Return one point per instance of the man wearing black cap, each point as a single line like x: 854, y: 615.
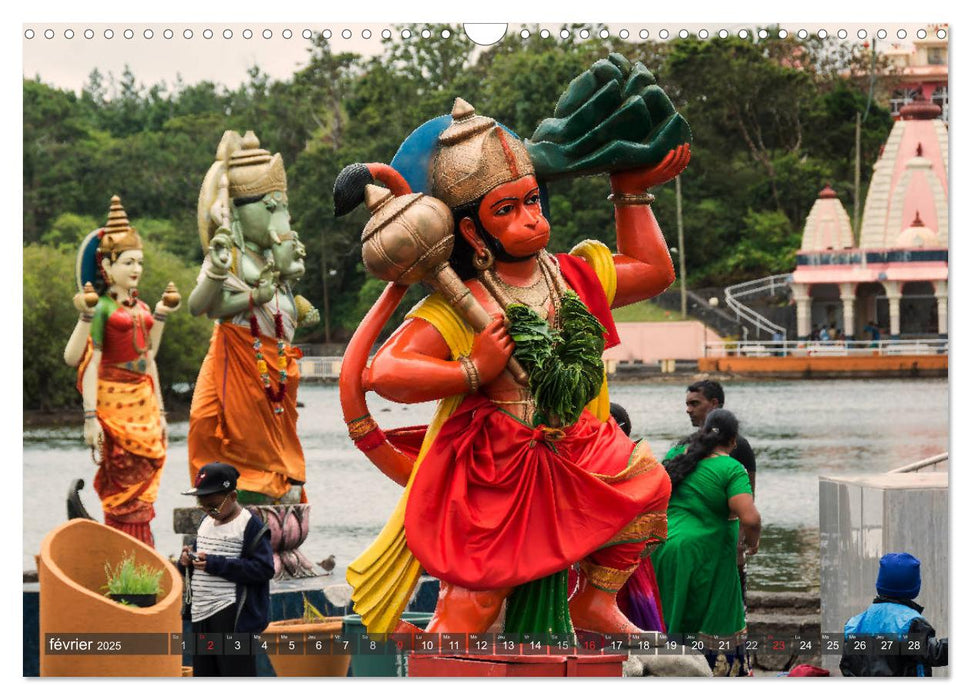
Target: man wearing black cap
x: 895, y: 614
x: 229, y: 571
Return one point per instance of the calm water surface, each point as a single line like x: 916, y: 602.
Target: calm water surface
x: 799, y: 430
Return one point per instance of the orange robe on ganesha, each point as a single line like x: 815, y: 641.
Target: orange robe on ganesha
x: 233, y: 421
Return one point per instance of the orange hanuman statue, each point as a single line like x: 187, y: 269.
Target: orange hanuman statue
x: 521, y: 473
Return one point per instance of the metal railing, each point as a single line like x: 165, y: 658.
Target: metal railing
x: 759, y: 287
x: 935, y: 463
x: 825, y: 348
x: 319, y: 368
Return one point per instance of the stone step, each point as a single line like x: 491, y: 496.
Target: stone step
x: 788, y: 628
x: 773, y: 600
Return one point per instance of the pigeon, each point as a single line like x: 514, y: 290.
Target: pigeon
x: 327, y: 565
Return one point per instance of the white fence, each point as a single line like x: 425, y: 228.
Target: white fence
x: 825, y: 348
x: 754, y: 288
x: 937, y: 463
x: 319, y: 368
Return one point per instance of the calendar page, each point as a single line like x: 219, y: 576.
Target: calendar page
x: 513, y: 349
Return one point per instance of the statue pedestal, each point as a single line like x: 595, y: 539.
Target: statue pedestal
x: 289, y: 526
x: 515, y: 665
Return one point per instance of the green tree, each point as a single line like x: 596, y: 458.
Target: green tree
x: 69, y: 230
x: 769, y: 244
x: 49, y: 318
x: 755, y: 90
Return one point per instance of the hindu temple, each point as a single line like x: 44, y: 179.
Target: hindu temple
x: 894, y: 275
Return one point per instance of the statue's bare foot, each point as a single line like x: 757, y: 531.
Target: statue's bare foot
x: 595, y: 610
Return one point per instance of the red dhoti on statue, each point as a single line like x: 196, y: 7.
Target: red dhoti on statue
x: 498, y: 503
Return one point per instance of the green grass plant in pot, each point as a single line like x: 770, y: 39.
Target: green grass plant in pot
x: 131, y: 583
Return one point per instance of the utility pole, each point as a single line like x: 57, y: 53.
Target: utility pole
x: 325, y: 273
x: 856, y: 182
x: 684, y: 289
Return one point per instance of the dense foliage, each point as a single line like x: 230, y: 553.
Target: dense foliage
x: 773, y: 122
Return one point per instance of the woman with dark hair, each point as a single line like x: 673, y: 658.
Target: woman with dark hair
x: 696, y: 571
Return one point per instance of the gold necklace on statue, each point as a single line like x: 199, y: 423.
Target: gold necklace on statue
x: 536, y: 296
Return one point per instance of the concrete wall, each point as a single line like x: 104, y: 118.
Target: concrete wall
x: 805, y: 367
x: 650, y: 342
x: 863, y: 518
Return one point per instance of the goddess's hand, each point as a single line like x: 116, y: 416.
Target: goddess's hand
x: 162, y: 310
x: 92, y: 431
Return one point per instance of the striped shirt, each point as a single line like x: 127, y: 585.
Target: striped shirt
x: 211, y: 593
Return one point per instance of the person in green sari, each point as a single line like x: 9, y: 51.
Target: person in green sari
x: 697, y: 575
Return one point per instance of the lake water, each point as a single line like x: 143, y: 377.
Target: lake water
x: 799, y: 431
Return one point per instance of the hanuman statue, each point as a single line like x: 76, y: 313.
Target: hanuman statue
x: 522, y: 473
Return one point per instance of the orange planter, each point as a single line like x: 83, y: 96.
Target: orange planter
x: 71, y: 570
x: 305, y: 663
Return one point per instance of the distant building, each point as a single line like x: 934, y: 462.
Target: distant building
x: 921, y: 72
x: 895, y: 276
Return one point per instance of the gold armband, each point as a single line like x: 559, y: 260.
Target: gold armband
x: 471, y: 373
x: 631, y: 200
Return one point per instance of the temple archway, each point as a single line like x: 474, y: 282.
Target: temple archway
x: 871, y: 307
x: 918, y: 310
x: 827, y: 309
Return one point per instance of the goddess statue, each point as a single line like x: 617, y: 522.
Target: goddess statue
x: 244, y: 408
x: 114, y: 345
x: 521, y: 473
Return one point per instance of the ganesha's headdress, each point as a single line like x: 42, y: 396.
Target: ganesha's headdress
x: 242, y: 170
x: 253, y: 171
x: 474, y: 155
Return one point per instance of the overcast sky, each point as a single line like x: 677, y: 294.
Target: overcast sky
x: 63, y: 53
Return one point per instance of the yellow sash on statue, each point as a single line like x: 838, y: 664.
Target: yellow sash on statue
x: 385, y: 575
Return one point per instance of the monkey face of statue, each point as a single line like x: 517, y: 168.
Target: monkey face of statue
x: 511, y: 213
x: 263, y: 221
x: 288, y: 256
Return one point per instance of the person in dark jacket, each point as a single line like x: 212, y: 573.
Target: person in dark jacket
x: 895, y: 614
x: 229, y: 571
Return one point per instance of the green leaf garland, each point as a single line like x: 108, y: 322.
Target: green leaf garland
x: 565, y: 365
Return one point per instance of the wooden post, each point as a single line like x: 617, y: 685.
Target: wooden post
x: 681, y: 268
x: 856, y: 184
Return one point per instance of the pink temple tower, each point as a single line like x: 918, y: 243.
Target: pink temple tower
x: 895, y: 276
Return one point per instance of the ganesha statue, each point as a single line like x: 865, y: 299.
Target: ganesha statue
x: 244, y: 408
x: 522, y: 475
